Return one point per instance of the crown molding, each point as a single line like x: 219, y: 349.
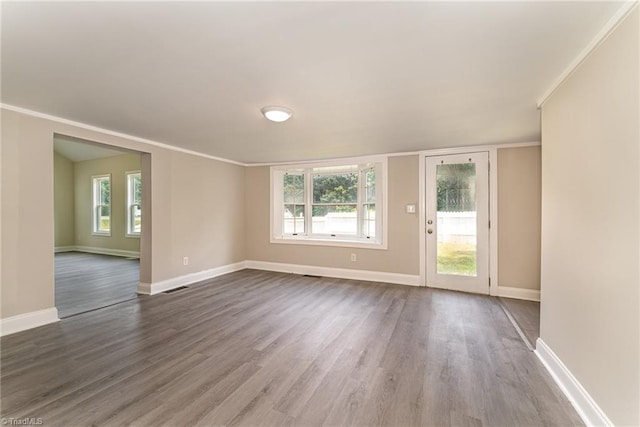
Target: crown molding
x: 430, y: 152
x: 221, y: 159
x: 600, y: 37
x: 116, y: 134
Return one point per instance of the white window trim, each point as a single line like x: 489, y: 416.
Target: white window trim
x: 275, y: 223
x: 127, y: 207
x: 94, y: 206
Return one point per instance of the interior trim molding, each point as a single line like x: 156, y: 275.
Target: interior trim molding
x: 22, y: 322
x: 116, y: 134
x: 518, y: 293
x: 59, y: 249
x: 188, y: 279
x: 104, y: 251
x: 584, y: 404
x: 234, y: 162
x: 476, y: 148
x: 599, y: 38
x: 339, y: 273
x: 434, y: 152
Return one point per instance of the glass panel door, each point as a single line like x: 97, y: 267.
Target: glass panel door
x: 456, y: 217
x: 457, y: 222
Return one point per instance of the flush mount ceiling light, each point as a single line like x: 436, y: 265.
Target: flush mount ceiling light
x: 277, y: 114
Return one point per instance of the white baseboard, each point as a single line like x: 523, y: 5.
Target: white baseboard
x: 59, y: 249
x: 584, y: 404
x: 518, y: 293
x: 340, y: 273
x: 187, y: 279
x: 22, y: 322
x: 106, y: 251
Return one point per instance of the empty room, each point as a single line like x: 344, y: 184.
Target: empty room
x: 320, y: 213
x: 97, y: 223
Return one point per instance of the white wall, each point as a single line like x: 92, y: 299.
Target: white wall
x: 591, y: 224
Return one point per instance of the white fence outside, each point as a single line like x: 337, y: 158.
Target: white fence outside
x: 333, y: 222
x: 457, y: 227
x: 453, y: 227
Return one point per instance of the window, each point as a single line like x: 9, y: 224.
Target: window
x: 333, y: 205
x: 134, y: 201
x: 293, y: 193
x: 101, y: 205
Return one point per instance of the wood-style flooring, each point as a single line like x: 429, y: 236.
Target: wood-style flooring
x: 86, y: 281
x: 526, y: 314
x: 263, y: 348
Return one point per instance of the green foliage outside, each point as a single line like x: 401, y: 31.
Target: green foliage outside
x: 456, y: 187
x: 457, y: 258
x: 105, y: 192
x: 137, y: 189
x: 104, y: 224
x: 293, y: 187
x: 335, y: 189
x: 370, y: 186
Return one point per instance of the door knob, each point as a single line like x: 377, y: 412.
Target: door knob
x: 429, y: 231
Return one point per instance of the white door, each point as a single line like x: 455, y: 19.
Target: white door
x: 457, y: 222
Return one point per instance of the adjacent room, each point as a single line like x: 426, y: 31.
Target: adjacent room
x: 320, y: 213
x: 98, y: 223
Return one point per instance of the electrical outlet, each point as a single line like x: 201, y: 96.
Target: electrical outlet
x: 185, y: 260
x: 354, y: 258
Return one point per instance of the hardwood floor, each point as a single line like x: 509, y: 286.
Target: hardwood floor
x: 262, y: 348
x: 527, y: 316
x: 88, y: 281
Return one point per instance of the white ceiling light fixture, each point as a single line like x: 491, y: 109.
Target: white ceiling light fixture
x: 277, y: 114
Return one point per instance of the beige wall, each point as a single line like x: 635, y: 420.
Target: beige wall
x: 63, y: 183
x: 27, y: 233
x: 519, y: 213
x: 116, y: 166
x: 403, y: 245
x: 590, y: 224
x: 177, y: 211
x: 207, y: 212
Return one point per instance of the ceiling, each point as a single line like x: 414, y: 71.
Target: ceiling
x: 77, y: 151
x: 361, y: 77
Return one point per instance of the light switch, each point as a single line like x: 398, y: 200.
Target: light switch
x: 411, y: 209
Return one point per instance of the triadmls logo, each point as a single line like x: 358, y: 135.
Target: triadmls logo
x: 27, y: 421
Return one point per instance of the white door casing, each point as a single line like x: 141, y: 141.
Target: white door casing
x: 461, y: 229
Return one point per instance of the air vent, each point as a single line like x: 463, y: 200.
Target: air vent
x: 170, y: 291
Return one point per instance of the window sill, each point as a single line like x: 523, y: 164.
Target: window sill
x: 329, y: 242
x: 132, y: 236
x: 101, y: 234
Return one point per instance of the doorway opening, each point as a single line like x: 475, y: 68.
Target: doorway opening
x: 98, y: 223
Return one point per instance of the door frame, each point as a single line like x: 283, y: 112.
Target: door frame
x: 478, y: 283
x: 146, y: 165
x: 493, y: 204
